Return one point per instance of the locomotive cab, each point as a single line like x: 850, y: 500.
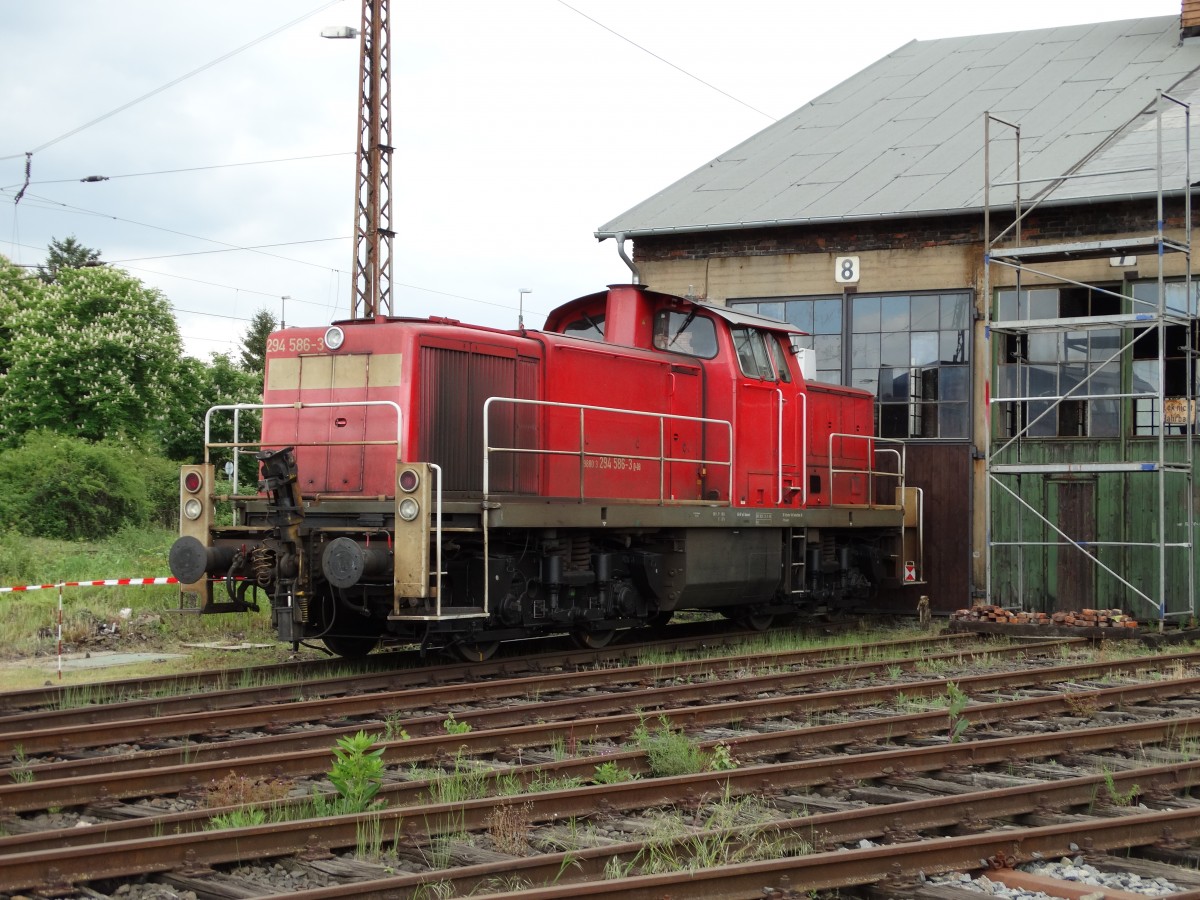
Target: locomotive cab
x: 421, y: 480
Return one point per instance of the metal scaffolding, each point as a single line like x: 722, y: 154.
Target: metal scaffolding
x: 1019, y: 465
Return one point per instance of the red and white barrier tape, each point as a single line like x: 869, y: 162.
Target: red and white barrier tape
x: 101, y: 582
x: 104, y: 582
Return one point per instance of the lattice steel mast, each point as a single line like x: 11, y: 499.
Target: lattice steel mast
x: 373, y: 196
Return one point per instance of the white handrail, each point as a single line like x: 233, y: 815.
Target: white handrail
x: 779, y: 449
x: 802, y: 419
x: 582, y: 453
x: 871, y: 471
x: 237, y: 444
x: 437, y: 535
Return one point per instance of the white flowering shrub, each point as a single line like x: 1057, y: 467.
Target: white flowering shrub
x: 95, y: 355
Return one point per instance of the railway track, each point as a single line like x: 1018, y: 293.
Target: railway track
x: 401, y: 667
x: 856, y: 760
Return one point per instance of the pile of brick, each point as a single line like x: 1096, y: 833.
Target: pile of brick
x: 1087, y: 618
x: 1001, y: 616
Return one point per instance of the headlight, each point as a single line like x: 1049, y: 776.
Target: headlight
x: 409, y: 509
x: 334, y: 337
x: 409, y: 480
x: 193, y: 481
x: 192, y: 508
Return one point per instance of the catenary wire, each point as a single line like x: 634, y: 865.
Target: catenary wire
x: 421, y: 288
x: 667, y: 62
x: 228, y: 287
x: 211, y: 315
x: 91, y: 212
x: 226, y: 250
x: 196, y: 337
x: 172, y: 83
x: 257, y: 162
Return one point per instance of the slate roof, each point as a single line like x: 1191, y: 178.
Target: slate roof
x: 904, y: 137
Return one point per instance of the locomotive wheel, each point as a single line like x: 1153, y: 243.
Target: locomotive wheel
x: 476, y: 652
x: 351, y: 636
x: 756, y: 622
x: 350, y: 646
x: 592, y: 640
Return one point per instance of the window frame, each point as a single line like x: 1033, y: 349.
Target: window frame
x: 1067, y: 355
x: 690, y: 318
x: 941, y: 418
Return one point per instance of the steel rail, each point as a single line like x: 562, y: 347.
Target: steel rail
x: 400, y: 664
x: 449, y: 684
x: 100, y: 775
x: 591, y: 709
x: 420, y: 823
x: 886, y: 821
x: 64, y: 738
x: 848, y: 868
x: 288, y: 742
x: 142, y: 781
x: 407, y: 793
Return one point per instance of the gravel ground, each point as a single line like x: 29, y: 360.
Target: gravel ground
x: 1075, y: 870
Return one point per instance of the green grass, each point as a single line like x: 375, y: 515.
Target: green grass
x: 842, y: 647
x: 464, y: 782
x: 669, y: 752
x: 42, y: 561
x: 544, y: 783
x: 29, y: 620
x: 731, y: 832
x: 1119, y: 798
x: 610, y: 773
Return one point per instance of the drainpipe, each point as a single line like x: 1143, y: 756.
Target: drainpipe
x: 637, y: 278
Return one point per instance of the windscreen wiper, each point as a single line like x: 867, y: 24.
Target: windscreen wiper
x: 682, y: 328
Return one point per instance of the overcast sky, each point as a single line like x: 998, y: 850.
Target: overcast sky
x: 520, y: 127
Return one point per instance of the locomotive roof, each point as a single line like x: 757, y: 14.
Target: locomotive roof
x: 737, y: 317
x: 561, y: 315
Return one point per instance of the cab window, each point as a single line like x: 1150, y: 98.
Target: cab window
x: 752, y: 353
x: 779, y: 351
x: 589, y: 327
x: 687, y: 333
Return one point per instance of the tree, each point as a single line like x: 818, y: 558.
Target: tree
x: 17, y: 292
x: 200, y: 387
x: 95, y: 355
x: 254, y: 344
x: 67, y: 254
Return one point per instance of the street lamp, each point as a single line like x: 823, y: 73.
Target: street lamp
x: 339, y: 31
x: 283, y: 310
x: 521, y: 292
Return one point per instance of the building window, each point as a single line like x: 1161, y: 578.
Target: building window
x: 1078, y: 366
x: 1147, y: 416
x: 1075, y: 370
x: 910, y: 350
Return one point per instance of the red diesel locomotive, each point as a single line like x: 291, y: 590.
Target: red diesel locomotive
x: 422, y: 480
